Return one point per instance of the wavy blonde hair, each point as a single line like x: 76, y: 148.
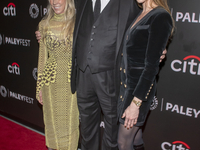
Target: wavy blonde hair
x: 69, y: 18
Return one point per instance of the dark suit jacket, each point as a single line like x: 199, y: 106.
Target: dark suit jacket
x: 128, y: 10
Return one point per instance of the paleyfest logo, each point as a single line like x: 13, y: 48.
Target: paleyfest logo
x: 7, y: 93
x: 189, y: 64
x: 179, y: 109
x: 186, y: 111
x: 187, y: 17
x: 14, y: 41
x: 3, y: 91
x: 34, y: 72
x: 10, y: 10
x: 176, y: 145
x: 17, y: 41
x: 154, y: 103
x: 34, y: 11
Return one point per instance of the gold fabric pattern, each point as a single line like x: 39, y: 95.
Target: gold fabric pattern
x: 49, y: 74
x: 61, y: 116
x: 52, y: 41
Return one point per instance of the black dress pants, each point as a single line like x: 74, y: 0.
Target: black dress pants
x: 96, y: 93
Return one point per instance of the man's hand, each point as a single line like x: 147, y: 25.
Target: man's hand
x: 38, y: 36
x: 163, y: 55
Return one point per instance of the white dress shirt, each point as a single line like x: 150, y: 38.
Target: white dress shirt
x: 103, y: 4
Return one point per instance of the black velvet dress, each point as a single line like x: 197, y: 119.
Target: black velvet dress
x: 143, y: 46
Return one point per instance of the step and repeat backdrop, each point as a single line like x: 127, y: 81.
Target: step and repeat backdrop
x: 18, y: 59
x: 174, y: 119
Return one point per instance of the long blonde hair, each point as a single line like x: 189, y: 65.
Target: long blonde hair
x: 69, y: 18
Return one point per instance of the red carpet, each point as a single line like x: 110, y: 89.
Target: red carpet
x: 16, y: 137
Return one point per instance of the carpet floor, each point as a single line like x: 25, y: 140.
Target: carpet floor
x: 17, y: 137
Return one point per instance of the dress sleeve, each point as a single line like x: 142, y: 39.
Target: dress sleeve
x: 159, y: 32
x: 42, y: 58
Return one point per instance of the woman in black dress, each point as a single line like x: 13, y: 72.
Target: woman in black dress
x: 144, y: 42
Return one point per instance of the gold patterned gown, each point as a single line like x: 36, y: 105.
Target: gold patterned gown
x: 59, y: 105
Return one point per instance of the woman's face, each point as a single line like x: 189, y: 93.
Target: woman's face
x: 58, y: 6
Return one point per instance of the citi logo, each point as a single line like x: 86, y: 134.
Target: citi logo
x: 14, y: 68
x: 188, y: 64
x: 176, y: 145
x: 10, y: 10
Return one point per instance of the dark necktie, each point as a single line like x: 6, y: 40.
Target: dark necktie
x: 97, y: 9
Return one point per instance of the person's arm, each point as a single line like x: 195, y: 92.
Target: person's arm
x: 38, y: 36
x: 160, y: 30
x: 41, y: 64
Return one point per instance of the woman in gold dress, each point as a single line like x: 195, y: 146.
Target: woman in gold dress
x: 61, y: 117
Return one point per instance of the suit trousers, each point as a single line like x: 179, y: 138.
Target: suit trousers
x: 96, y: 94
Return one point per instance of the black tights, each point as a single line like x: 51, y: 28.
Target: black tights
x: 127, y: 138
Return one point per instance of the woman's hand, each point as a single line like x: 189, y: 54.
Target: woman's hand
x: 38, y: 36
x: 40, y: 98
x: 131, y: 114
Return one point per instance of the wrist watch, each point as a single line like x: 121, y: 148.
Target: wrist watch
x: 137, y: 103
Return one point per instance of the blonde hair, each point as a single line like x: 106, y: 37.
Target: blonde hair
x: 69, y: 18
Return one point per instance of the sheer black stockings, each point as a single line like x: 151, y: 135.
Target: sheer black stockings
x: 129, y: 138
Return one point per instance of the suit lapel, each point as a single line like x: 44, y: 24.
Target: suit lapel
x: 124, y: 9
x: 79, y: 12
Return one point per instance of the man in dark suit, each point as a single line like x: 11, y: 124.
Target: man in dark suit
x: 95, y: 67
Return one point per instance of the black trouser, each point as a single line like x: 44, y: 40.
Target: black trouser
x: 96, y: 92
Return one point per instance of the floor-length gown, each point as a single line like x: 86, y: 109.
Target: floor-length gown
x: 54, y: 69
